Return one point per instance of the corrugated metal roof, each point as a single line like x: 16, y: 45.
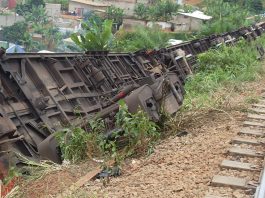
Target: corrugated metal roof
x: 93, y: 3
x: 197, y: 14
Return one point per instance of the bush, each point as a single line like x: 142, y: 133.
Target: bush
x: 139, y: 132
x: 73, y: 144
x: 141, y: 38
x: 222, y: 68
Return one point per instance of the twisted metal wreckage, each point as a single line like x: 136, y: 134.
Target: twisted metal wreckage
x: 41, y: 93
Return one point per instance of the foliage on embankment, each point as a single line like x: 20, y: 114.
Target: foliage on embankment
x: 222, y: 70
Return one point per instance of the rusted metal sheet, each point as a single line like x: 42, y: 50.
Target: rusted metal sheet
x: 42, y: 93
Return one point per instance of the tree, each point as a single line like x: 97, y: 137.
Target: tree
x: 115, y: 14
x: 37, y: 16
x: 226, y: 17
x: 36, y: 21
x: 141, y: 11
x: 257, y: 6
x: 29, y: 44
x: 97, y: 37
x: 14, y: 33
x: 23, y: 8
x: 164, y: 10
x: 254, y: 6
x: 160, y: 10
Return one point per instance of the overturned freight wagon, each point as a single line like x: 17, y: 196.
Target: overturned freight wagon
x: 42, y: 93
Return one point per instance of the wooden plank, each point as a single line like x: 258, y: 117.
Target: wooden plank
x: 245, y: 152
x: 213, y: 196
x: 261, y: 100
x: 259, y: 105
x: 229, y: 164
x: 257, y: 110
x: 240, y: 140
x: 256, y: 116
x: 83, y: 180
x: 233, y: 182
x: 249, y: 123
x: 250, y: 131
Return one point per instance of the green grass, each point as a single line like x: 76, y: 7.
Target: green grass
x: 222, y: 72
x: 140, y: 38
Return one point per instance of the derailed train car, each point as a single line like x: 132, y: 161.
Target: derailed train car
x: 42, y: 93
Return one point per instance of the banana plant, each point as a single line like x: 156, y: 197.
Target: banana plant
x: 98, y: 37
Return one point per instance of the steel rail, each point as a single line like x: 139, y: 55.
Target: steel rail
x: 260, y: 191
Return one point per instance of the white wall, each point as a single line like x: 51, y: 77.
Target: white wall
x: 8, y: 20
x: 127, y: 6
x: 186, y: 23
x: 53, y: 9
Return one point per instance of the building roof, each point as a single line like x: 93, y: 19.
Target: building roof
x: 197, y: 14
x: 15, y: 49
x: 92, y: 3
x: 192, y: 2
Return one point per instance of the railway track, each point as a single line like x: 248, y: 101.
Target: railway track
x: 242, y: 172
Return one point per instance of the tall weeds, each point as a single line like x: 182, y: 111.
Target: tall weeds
x: 222, y: 70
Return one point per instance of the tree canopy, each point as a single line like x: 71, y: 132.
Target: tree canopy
x: 36, y: 22
x: 14, y: 33
x: 254, y: 6
x: 28, y: 5
x: 96, y: 36
x: 160, y: 10
x: 227, y: 16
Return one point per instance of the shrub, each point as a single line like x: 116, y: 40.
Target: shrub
x: 140, y: 132
x: 73, y: 143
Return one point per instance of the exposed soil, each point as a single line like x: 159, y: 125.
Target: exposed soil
x: 179, y: 167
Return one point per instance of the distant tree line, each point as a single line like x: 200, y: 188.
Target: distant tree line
x: 36, y: 22
x: 229, y: 14
x: 254, y: 6
x: 158, y: 10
